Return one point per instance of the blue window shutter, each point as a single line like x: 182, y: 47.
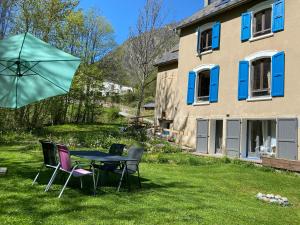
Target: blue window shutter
x: 278, y: 16
x: 246, y: 27
x: 214, y: 84
x: 199, y: 41
x: 191, y: 88
x: 216, y: 35
x: 243, y: 80
x: 278, y: 75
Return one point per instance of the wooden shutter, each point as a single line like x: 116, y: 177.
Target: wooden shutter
x: 233, y: 131
x: 202, y: 136
x: 278, y: 74
x: 278, y: 16
x: 214, y: 84
x: 216, y: 35
x: 287, y: 138
x: 243, y: 80
x: 246, y: 26
x: 191, y: 88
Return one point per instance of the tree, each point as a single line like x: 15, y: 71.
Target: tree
x: 145, y: 46
x: 7, y: 10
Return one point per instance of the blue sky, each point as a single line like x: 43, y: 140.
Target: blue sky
x: 122, y: 14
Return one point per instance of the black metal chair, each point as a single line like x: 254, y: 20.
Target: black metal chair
x: 131, y: 167
x: 50, y: 160
x: 115, y: 149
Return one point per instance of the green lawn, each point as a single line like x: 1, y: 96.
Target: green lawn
x: 177, y: 189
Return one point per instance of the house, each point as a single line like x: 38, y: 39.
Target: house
x: 110, y: 88
x: 149, y: 106
x: 232, y: 85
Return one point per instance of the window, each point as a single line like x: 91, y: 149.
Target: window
x: 203, y: 86
x: 261, y: 77
x: 262, y: 22
x: 206, y: 40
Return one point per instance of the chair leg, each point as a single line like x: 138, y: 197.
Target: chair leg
x: 52, y: 178
x: 38, y: 174
x: 65, y: 185
x: 97, y: 179
x: 94, y: 181
x: 127, y: 179
x: 81, y: 184
x: 139, y: 178
x: 121, y: 179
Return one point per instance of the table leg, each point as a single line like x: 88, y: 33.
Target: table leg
x: 121, y: 179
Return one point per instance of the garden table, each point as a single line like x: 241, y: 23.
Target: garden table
x: 102, y: 157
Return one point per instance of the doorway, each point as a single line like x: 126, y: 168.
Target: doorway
x: 218, y: 136
x: 261, y: 137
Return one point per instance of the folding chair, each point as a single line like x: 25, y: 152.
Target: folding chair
x: 50, y: 160
x: 75, y: 171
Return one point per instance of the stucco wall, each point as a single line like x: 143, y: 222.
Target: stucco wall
x: 231, y: 51
x: 165, y: 91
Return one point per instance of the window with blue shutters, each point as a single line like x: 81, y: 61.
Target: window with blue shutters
x: 262, y: 20
x: 208, y: 37
x: 203, y: 86
x: 262, y: 76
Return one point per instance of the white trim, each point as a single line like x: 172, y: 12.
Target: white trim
x: 261, y: 37
x: 261, y: 54
x: 198, y: 70
x: 201, y: 103
x: 259, y: 7
x: 257, y: 99
x: 204, y: 67
x: 206, y: 52
x: 200, y: 30
x: 254, y: 57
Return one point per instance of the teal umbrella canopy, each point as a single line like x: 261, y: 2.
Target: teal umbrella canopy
x: 32, y: 70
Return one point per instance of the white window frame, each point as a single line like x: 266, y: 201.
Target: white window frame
x: 257, y: 8
x: 199, y: 32
x: 198, y: 70
x: 251, y: 59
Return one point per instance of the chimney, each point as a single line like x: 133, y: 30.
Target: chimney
x: 206, y: 2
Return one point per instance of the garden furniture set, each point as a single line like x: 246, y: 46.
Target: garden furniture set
x: 58, y: 158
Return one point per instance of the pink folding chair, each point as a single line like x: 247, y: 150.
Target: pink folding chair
x: 75, y: 171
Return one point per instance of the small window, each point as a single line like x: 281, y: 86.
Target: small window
x: 203, y: 86
x: 261, y: 77
x: 206, y: 40
x: 262, y: 22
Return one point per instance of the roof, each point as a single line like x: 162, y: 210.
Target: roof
x: 149, y: 105
x: 169, y: 57
x: 217, y: 7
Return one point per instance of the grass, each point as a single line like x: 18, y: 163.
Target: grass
x: 178, y: 188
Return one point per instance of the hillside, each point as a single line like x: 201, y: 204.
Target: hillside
x: 116, y: 65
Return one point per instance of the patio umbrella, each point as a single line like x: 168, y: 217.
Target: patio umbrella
x: 32, y: 70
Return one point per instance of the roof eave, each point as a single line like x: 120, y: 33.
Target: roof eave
x: 166, y: 63
x: 211, y: 15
